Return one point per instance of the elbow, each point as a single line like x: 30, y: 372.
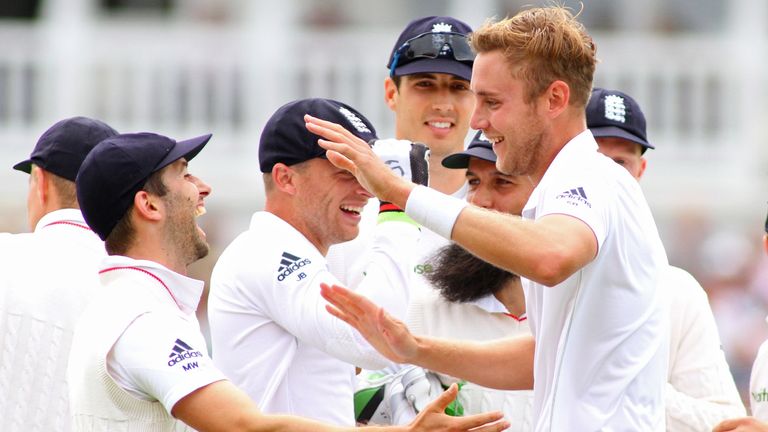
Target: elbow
x: 553, y: 268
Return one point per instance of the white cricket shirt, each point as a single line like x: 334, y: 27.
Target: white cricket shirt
x: 601, y: 335
x: 137, y: 349
x: 484, y: 319
x: 46, y: 279
x: 758, y: 384
x: 270, y: 332
x: 700, y: 391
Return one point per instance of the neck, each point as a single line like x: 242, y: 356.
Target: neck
x: 443, y: 179
x: 512, y: 297
x: 152, y: 248
x: 288, y: 215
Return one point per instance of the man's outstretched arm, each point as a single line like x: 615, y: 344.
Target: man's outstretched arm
x: 504, y: 364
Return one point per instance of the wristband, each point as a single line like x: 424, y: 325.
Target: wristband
x: 434, y: 210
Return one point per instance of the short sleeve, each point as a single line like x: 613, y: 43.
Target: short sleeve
x: 583, y: 198
x: 162, y: 358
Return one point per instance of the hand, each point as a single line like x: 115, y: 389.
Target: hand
x: 407, y: 159
x: 743, y: 424
x: 386, y: 334
x: 351, y: 153
x: 433, y: 417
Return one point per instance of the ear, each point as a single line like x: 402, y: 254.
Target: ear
x: 643, y: 165
x: 148, y: 206
x: 390, y: 93
x: 765, y: 243
x: 558, y: 95
x: 40, y: 181
x: 284, y: 178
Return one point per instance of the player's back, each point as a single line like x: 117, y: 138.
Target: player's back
x: 46, y: 280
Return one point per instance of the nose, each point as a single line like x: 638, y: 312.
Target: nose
x: 478, y: 121
x: 481, y: 197
x: 203, y: 188
x: 363, y: 191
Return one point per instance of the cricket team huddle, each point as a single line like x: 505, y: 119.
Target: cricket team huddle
x: 411, y: 283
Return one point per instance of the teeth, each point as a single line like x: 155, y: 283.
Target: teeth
x: 495, y: 140
x: 351, y: 209
x: 199, y: 211
x: 440, y: 125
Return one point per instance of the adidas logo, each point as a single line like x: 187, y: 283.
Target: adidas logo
x: 577, y: 195
x: 180, y: 352
x: 289, y: 264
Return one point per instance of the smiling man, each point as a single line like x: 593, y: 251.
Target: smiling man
x: 586, y: 247
x: 427, y: 89
x: 269, y: 330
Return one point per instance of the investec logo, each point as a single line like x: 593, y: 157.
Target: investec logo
x: 577, y: 195
x: 289, y: 264
x: 180, y: 352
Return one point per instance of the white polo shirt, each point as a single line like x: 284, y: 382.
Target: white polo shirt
x: 270, y: 332
x: 46, y: 279
x: 758, y: 384
x: 138, y: 349
x: 602, y: 334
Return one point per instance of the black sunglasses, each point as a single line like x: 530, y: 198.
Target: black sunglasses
x: 432, y: 45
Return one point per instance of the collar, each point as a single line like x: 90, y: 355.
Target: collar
x: 63, y: 217
x: 572, y: 152
x: 185, y: 292
x: 489, y: 303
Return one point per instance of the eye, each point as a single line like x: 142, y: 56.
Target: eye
x: 473, y: 182
x: 459, y: 86
x: 424, y: 83
x: 620, y: 161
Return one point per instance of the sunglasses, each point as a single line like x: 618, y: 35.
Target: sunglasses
x: 432, y: 45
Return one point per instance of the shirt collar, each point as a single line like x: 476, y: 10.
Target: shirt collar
x: 185, y: 291
x: 67, y: 216
x: 568, y: 156
x: 490, y: 303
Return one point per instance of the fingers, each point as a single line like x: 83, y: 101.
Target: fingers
x: 441, y: 402
x: 492, y: 427
x: 339, y: 160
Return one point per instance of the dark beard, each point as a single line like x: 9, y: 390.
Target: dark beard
x: 462, y: 277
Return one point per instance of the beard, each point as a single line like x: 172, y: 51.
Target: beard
x: 461, y: 277
x: 183, y: 232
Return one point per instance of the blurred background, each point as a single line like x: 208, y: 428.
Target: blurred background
x: 699, y: 69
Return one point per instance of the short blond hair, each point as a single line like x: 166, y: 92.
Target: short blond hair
x: 543, y: 45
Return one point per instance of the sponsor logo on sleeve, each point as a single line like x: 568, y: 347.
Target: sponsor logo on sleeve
x: 289, y: 264
x: 760, y: 396
x: 575, y: 197
x: 180, y: 352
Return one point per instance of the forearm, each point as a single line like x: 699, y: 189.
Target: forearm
x: 546, y: 251
x: 505, y: 364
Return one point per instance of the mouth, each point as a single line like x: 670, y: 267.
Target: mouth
x: 200, y: 210
x: 494, y: 140
x: 440, y: 125
x: 353, y: 210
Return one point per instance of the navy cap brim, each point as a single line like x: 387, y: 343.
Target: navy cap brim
x: 186, y: 149
x: 437, y: 65
x: 461, y: 160
x: 24, y: 166
x: 617, y: 132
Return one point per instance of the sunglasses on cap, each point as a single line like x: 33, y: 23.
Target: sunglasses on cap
x: 432, y: 45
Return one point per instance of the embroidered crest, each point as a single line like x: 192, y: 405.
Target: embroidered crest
x: 615, y: 109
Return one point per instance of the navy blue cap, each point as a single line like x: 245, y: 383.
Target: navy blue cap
x: 62, y: 148
x: 614, y: 114
x: 118, y: 167
x: 285, y: 138
x: 480, y: 148
x: 445, y: 62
